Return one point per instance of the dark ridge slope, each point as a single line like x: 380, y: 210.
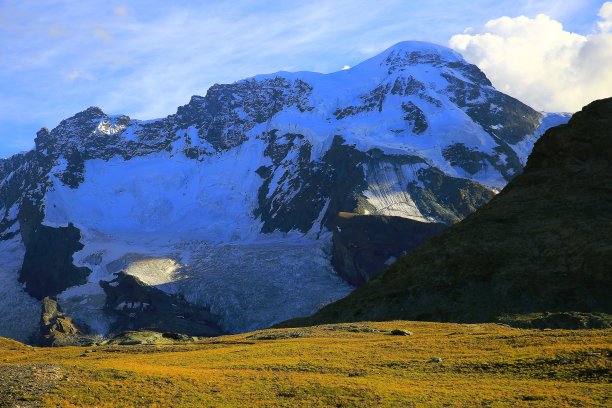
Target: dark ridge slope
x: 363, y: 245
x: 543, y: 244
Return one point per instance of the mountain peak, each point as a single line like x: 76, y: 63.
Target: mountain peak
x: 423, y: 47
x: 411, y: 53
x: 93, y: 110
x: 87, y: 116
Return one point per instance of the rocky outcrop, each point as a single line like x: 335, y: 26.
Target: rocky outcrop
x: 542, y: 245
x: 138, y: 306
x: 559, y: 320
x: 57, y: 329
x: 142, y: 337
x: 446, y: 199
x: 363, y: 245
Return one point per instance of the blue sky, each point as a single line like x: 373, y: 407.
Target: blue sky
x: 145, y: 58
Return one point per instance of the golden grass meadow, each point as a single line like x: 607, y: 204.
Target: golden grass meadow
x: 342, y: 365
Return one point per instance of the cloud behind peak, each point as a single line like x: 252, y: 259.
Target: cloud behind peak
x: 539, y: 62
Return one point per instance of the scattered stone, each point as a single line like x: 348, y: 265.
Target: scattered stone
x: 24, y: 385
x: 276, y: 336
x: 400, y: 332
x: 352, y: 329
x: 177, y: 336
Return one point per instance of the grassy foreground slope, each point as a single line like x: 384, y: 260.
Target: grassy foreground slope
x: 335, y: 365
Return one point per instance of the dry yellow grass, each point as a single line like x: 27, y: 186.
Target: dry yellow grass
x: 338, y: 365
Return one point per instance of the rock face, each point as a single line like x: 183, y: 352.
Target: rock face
x: 47, y: 264
x: 542, y: 245
x: 258, y: 169
x: 363, y: 245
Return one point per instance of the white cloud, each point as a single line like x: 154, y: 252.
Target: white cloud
x: 606, y: 15
x: 540, y: 63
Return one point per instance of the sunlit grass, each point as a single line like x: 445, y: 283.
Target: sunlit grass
x: 481, y: 365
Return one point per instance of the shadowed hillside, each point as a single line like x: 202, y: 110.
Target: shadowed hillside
x: 544, y: 244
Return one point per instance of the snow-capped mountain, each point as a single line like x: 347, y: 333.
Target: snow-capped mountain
x: 225, y: 207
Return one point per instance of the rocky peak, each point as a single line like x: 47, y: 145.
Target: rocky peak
x: 228, y: 111
x: 71, y: 132
x: 75, y: 124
